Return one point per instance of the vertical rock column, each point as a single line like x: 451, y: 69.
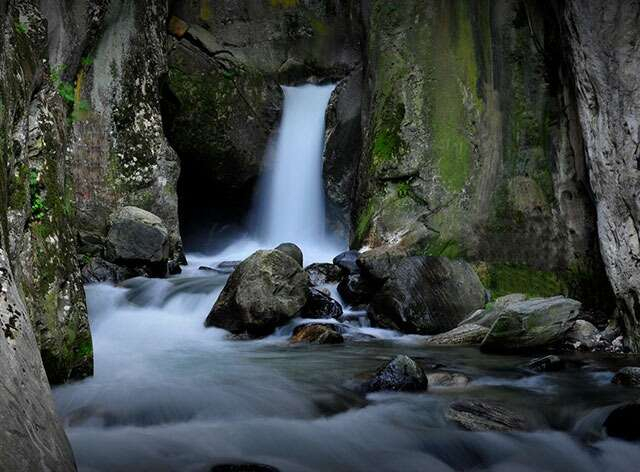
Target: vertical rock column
x: 604, y: 41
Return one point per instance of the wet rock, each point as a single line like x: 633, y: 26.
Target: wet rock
x: 627, y: 376
x: 447, y: 379
x: 583, y: 335
x: 316, y: 334
x: 347, y: 261
x: 379, y: 263
x: 401, y: 374
x: 488, y: 315
x: 532, y: 324
x: 468, y: 334
x: 623, y: 422
x: 265, y: 291
x: 546, y: 364
x: 475, y: 415
x: 291, y: 250
x: 173, y: 268
x: 426, y: 295
x: 323, y: 273
x: 320, y: 305
x: 355, y: 289
x: 138, y: 236
x: 98, y: 270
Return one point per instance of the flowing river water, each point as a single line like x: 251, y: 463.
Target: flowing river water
x: 169, y: 394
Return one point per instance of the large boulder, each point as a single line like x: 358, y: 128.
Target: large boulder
x: 401, y: 374
x: 426, y: 295
x: 265, y: 291
x: 138, y: 236
x: 532, y: 324
x: 316, y: 334
x: 347, y: 261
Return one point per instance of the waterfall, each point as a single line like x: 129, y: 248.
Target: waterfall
x: 290, y: 205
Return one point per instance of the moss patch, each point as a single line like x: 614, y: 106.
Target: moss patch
x: 503, y: 279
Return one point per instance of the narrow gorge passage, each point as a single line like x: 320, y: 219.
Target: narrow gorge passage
x: 169, y: 394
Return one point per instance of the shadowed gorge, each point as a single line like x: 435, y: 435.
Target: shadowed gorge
x: 313, y: 235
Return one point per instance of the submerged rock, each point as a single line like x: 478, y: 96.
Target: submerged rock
x: 323, y: 273
x: 347, y: 261
x: 291, y: 250
x: 468, y: 334
x: 627, y: 376
x: 355, y: 290
x: 532, y: 324
x: 623, y: 422
x: 475, y: 415
x: 546, y: 364
x: 401, y: 374
x: 320, y: 305
x: 317, y: 334
x: 138, y: 237
x: 265, y: 291
x: 426, y: 295
x: 447, y: 379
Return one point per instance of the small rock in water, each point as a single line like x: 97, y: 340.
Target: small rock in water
x: 401, y: 374
x: 475, y: 415
x: 323, y: 273
x: 316, y: 334
x: 447, y: 379
x: 228, y: 264
x: 624, y: 422
x: 320, y: 305
x: 583, y: 335
x: 347, y: 261
x: 355, y: 290
x: 243, y: 468
x: 546, y: 364
x: 627, y: 376
x: 291, y: 250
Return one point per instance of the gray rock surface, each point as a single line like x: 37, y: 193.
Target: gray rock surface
x: 266, y: 290
x: 32, y: 435
x: 291, y: 250
x: 602, y: 40
x: 401, y: 374
x: 532, y: 324
x: 426, y: 295
x: 138, y: 235
x: 583, y: 335
x: 465, y: 335
x: 447, y: 380
x: 323, y: 273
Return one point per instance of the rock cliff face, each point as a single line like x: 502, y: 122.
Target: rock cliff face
x: 472, y: 146
x: 604, y: 40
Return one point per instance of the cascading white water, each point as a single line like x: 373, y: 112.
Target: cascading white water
x: 291, y: 200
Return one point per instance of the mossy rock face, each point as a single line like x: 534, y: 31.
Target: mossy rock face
x: 467, y: 133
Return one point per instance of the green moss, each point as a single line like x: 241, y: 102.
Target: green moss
x: 503, y: 279
x: 364, y: 222
x: 387, y: 141
x: 444, y: 247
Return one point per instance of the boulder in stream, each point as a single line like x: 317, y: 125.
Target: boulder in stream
x: 627, y: 376
x: 426, y: 295
x: 291, y: 250
x: 583, y: 335
x: 137, y: 235
x: 265, y: 291
x: 355, y: 289
x: 401, y: 374
x: 320, y: 305
x: 476, y: 415
x: 531, y: 324
x: 347, y: 261
x: 316, y: 334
